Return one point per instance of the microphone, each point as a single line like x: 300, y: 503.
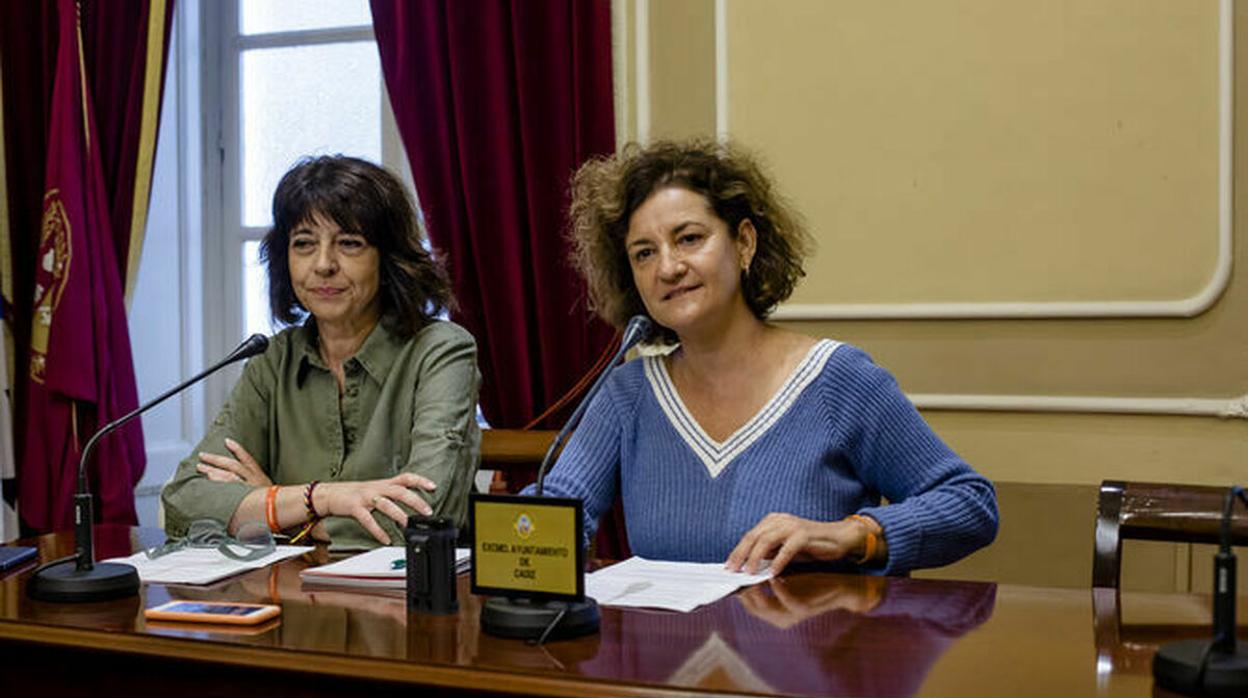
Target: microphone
x: 1217, y: 668
x: 532, y: 616
x: 637, y: 329
x: 87, y: 581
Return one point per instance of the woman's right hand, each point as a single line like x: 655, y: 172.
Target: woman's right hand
x: 241, y: 468
x: 359, y: 499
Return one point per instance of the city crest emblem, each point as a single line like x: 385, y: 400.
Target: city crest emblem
x: 55, y: 253
x: 524, y: 526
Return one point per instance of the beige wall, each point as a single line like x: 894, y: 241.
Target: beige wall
x: 1011, y: 198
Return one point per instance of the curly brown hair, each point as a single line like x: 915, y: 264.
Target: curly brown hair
x: 607, y: 190
x: 367, y: 199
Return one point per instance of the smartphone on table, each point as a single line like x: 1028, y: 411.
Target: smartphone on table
x: 227, y: 612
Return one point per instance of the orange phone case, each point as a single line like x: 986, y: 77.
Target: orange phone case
x: 173, y: 626
x: 226, y: 612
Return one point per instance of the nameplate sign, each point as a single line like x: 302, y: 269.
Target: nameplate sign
x: 527, y: 547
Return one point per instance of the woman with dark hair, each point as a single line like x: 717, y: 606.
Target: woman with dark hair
x: 744, y: 442
x: 363, y: 411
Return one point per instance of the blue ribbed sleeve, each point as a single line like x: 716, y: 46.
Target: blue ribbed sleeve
x: 940, y: 509
x: 588, y: 467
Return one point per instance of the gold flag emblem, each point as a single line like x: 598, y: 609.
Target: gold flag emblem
x: 55, y: 252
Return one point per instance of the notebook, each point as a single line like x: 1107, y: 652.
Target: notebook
x: 12, y: 557
x: 380, y: 568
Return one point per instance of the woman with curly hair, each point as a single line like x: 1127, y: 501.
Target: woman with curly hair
x: 363, y: 411
x: 746, y: 442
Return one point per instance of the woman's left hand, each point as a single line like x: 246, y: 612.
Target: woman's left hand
x: 241, y: 468
x: 785, y: 537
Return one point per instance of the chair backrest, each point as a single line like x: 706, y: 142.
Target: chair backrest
x: 518, y: 454
x: 502, y: 448
x: 1156, y: 511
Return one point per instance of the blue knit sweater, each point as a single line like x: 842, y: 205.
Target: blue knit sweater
x: 836, y: 437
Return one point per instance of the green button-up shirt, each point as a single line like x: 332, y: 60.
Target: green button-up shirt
x: 406, y: 405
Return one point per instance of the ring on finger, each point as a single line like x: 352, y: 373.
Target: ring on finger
x: 377, y: 500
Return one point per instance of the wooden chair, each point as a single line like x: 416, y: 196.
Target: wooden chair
x: 1156, y: 511
x: 1148, y: 511
x: 517, y: 453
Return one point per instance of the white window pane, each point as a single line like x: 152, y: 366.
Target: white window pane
x: 305, y: 100
x: 255, y: 292
x: 263, y: 16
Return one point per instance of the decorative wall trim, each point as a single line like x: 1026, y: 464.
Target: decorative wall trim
x: 620, y: 80
x: 191, y: 215
x: 641, y: 69
x: 721, y: 70
x: 1184, y: 307
x: 1225, y: 408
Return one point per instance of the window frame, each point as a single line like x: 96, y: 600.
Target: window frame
x: 225, y: 234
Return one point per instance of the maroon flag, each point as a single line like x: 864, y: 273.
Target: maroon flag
x: 81, y: 373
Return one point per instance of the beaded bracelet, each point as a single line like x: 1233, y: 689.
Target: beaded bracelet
x: 270, y: 509
x: 873, y: 541
x: 308, y: 503
x: 313, y: 516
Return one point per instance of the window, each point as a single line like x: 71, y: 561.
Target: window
x: 299, y: 77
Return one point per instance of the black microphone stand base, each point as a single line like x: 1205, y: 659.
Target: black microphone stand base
x: 529, y: 620
x: 1176, y: 667
x: 65, y: 582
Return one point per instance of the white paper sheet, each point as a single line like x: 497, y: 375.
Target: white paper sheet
x: 201, y: 565
x: 673, y: 586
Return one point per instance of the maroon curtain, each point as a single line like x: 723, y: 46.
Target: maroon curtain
x: 498, y: 102
x: 80, y: 108
x: 116, y: 42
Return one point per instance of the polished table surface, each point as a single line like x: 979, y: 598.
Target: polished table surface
x: 813, y: 634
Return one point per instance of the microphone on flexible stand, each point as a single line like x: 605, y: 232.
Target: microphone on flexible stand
x: 86, y: 580
x: 534, y: 619
x: 637, y: 329
x: 1220, y: 667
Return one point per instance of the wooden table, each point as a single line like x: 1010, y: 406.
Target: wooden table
x: 815, y: 634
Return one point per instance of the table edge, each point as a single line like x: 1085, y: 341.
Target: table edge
x: 320, y: 663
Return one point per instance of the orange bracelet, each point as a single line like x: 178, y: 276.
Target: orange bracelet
x: 873, y: 541
x: 270, y: 509
x: 273, y: 595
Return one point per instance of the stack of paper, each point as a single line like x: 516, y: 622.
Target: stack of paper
x: 380, y: 568
x: 200, y: 565
x: 675, y: 586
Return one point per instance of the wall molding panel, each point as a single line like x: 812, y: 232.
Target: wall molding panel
x: 1179, y: 307
x: 1223, y: 408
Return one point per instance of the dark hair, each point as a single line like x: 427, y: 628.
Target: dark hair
x: 368, y: 200
x: 607, y: 190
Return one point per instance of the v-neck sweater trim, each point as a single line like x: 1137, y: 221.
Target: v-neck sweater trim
x: 717, y: 455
